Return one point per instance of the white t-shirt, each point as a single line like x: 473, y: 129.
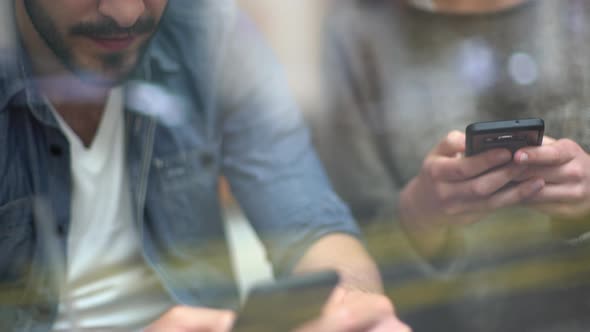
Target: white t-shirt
x: 108, y: 282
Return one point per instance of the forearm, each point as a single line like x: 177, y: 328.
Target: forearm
x: 348, y: 256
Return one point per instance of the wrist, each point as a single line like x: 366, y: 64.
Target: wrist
x: 428, y: 237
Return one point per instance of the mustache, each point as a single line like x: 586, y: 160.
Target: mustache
x: 109, y: 28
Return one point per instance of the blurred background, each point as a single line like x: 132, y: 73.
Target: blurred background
x: 293, y: 29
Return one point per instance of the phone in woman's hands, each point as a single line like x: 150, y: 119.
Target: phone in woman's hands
x: 508, y: 134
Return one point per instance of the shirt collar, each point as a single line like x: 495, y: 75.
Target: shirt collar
x: 207, y: 20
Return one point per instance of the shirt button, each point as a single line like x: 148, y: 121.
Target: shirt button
x: 44, y: 312
x: 55, y: 150
x: 61, y: 230
x: 206, y: 159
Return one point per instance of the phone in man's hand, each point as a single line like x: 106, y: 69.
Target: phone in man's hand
x: 287, y: 303
x: 508, y: 134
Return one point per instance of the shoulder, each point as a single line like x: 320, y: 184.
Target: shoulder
x: 193, y: 29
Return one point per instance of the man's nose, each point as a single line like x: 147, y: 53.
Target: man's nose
x: 124, y: 12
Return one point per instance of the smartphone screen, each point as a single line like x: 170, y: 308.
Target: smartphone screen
x: 509, y: 134
x: 286, y: 304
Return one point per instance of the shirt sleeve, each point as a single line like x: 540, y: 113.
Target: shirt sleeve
x: 268, y: 158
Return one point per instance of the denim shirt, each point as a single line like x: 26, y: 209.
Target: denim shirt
x: 206, y: 100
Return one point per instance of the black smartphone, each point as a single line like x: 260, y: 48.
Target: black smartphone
x: 287, y: 303
x: 508, y: 134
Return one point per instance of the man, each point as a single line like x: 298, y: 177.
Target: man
x: 121, y: 115
x: 403, y: 75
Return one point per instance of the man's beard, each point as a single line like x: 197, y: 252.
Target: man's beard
x: 113, y: 62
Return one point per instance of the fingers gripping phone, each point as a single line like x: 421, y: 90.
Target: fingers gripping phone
x: 287, y: 303
x: 509, y: 134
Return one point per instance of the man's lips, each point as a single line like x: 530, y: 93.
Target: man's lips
x: 114, y: 44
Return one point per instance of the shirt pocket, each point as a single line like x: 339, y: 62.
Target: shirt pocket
x: 186, y: 194
x: 16, y: 241
x: 186, y: 170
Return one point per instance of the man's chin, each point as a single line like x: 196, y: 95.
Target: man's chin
x: 102, y: 71
x: 105, y: 70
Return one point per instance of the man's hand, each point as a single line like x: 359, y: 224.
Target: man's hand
x: 355, y: 305
x: 352, y: 310
x: 187, y: 319
x: 565, y: 167
x: 453, y: 190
